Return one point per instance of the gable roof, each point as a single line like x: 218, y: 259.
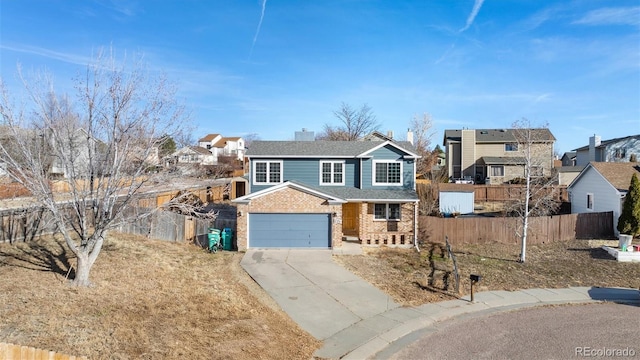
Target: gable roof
x: 618, y: 174
x: 223, y: 141
x: 605, y: 143
x: 209, y: 137
x: 343, y: 149
x: 498, y: 135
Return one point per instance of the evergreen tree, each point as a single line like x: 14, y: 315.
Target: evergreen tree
x: 629, y: 221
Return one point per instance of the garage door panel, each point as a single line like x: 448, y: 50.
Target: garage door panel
x: 289, y: 230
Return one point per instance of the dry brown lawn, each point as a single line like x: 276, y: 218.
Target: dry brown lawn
x: 150, y: 300
x: 409, y: 278
x: 161, y: 300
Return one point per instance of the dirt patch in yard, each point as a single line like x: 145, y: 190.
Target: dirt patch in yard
x: 413, y: 278
x: 150, y: 300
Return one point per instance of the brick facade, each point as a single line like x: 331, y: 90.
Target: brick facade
x: 390, y: 233
x: 288, y: 200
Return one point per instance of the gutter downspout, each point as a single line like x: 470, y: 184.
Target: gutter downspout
x: 415, y: 226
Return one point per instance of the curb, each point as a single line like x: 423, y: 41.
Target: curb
x: 402, y: 326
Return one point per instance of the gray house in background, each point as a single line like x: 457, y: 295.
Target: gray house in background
x: 613, y: 150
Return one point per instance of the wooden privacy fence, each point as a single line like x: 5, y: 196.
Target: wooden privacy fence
x: 481, y: 230
x: 169, y: 226
x: 17, y: 352
x: 484, y: 193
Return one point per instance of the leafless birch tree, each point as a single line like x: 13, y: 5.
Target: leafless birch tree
x: 539, y: 196
x: 103, y: 144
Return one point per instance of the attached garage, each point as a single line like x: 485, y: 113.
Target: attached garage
x: 289, y: 230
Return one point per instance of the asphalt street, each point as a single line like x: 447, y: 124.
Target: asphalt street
x: 600, y: 330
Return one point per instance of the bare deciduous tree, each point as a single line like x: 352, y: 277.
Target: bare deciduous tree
x: 103, y: 143
x: 354, y: 124
x: 539, y: 197
x: 422, y: 129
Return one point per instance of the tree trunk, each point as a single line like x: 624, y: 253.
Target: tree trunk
x: 83, y: 269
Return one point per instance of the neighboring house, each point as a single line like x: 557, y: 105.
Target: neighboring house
x: 613, y: 150
x: 566, y: 174
x: 569, y: 158
x: 192, y: 155
x: 493, y: 156
x: 76, y: 148
x: 314, y: 193
x: 602, y: 186
x: 219, y: 146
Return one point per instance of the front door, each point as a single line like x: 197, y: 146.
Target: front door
x: 350, y: 216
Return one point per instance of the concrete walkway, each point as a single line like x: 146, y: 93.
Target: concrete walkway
x: 355, y: 320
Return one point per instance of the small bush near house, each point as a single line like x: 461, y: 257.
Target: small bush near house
x: 629, y: 221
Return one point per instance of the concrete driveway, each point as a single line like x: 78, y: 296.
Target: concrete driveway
x: 318, y: 294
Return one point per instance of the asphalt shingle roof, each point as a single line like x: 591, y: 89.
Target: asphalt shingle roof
x: 317, y: 148
x: 619, y: 173
x: 498, y: 135
x: 604, y: 143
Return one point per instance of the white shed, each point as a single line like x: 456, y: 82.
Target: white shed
x: 456, y: 198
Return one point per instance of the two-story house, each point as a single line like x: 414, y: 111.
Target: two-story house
x: 613, y: 150
x: 313, y: 193
x: 223, y: 146
x: 495, y: 156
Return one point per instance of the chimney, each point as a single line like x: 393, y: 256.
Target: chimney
x: 390, y: 134
x: 410, y: 136
x: 304, y: 135
x: 594, y: 142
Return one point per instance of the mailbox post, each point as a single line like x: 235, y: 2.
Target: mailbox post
x: 474, y: 279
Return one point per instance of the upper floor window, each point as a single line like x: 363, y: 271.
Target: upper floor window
x: 387, y: 173
x: 267, y: 172
x: 511, y: 147
x: 332, y: 173
x: 620, y: 153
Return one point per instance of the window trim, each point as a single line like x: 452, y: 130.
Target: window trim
x: 387, y: 212
x: 590, y: 197
x: 511, y: 147
x: 496, y: 166
x: 268, y: 162
x: 332, y: 162
x: 373, y: 173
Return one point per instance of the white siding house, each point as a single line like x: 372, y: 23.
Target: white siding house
x: 601, y: 187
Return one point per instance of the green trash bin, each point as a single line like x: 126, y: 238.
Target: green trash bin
x: 227, y: 239
x: 214, y: 239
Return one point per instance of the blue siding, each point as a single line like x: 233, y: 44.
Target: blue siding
x: 308, y: 171
x: 387, y: 153
x: 289, y: 230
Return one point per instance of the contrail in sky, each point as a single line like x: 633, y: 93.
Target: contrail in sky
x: 472, y: 16
x: 255, y: 38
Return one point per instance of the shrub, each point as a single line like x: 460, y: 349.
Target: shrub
x: 629, y: 221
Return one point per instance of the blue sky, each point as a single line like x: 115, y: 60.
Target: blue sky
x: 274, y: 67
